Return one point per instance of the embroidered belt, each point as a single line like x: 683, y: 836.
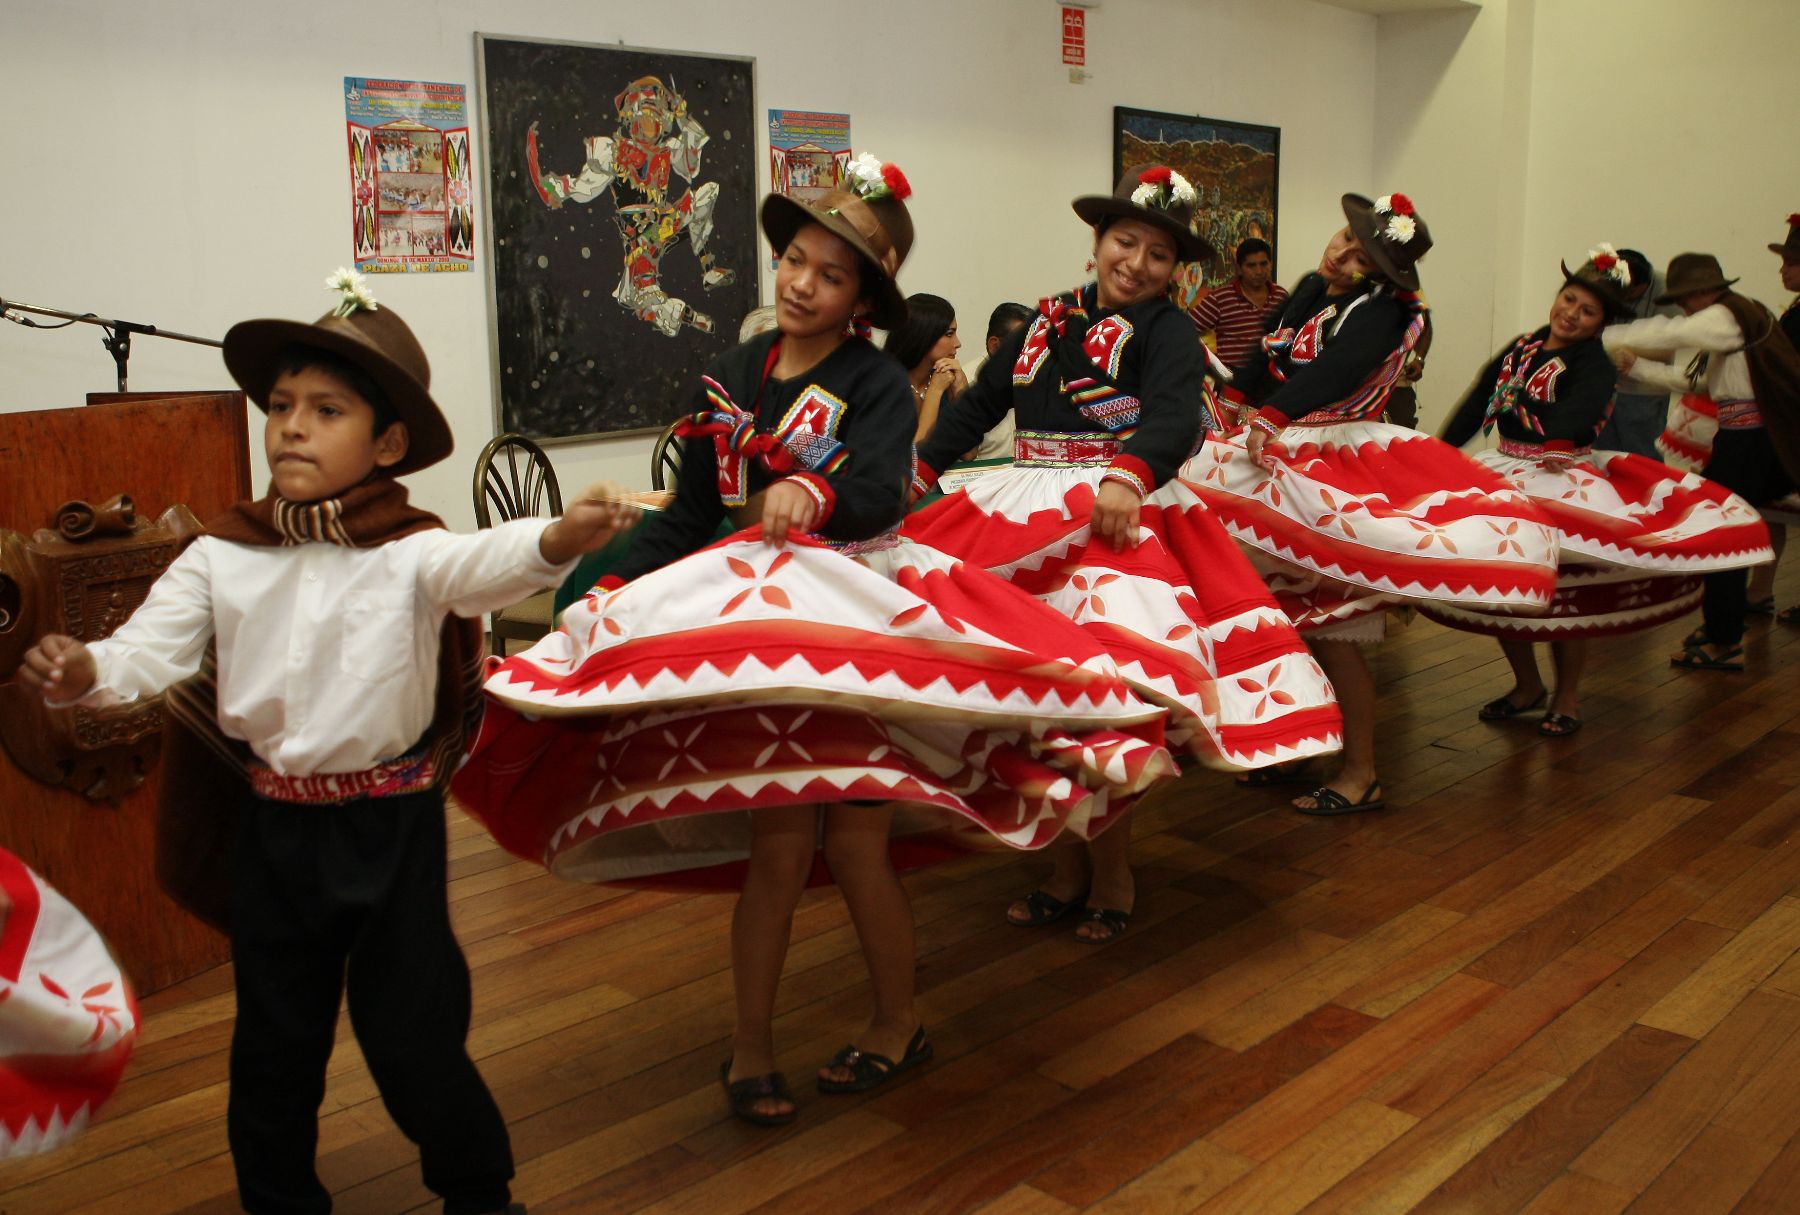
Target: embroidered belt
x: 1049, y: 449
x: 1536, y: 451
x: 1739, y: 415
x: 413, y: 773
x: 874, y: 544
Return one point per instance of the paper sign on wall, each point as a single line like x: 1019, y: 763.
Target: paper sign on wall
x: 412, y: 205
x: 1074, y: 36
x: 808, y: 152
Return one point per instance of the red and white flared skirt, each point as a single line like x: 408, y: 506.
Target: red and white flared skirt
x: 624, y: 746
x: 1634, y: 535
x: 1687, y: 443
x: 1188, y: 621
x: 68, y: 1020
x: 1687, y: 438
x: 1373, y: 514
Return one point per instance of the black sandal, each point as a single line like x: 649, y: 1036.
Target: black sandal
x: 1042, y: 907
x: 1501, y: 708
x: 1109, y: 918
x: 1328, y: 801
x: 1695, y: 658
x: 868, y: 1070
x: 1558, y: 725
x: 1760, y: 607
x: 742, y: 1096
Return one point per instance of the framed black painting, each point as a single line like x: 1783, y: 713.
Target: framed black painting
x: 622, y: 226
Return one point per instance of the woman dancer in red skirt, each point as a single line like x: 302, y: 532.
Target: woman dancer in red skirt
x: 1106, y: 386
x: 712, y: 712
x: 1633, y: 533
x: 1348, y: 515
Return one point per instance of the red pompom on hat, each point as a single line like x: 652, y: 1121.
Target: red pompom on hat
x: 1401, y: 204
x: 1156, y: 175
x: 1605, y: 261
x: 1794, y: 219
x: 896, y: 181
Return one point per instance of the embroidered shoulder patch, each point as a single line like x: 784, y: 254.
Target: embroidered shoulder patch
x: 1309, y: 342
x: 1033, y: 353
x: 1542, y: 384
x: 1105, y: 341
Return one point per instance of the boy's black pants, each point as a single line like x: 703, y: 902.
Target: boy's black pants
x: 326, y: 898
x: 1744, y: 462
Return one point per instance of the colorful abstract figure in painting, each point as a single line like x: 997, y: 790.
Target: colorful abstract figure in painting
x: 656, y: 140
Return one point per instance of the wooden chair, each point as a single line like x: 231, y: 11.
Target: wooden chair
x: 513, y: 480
x: 665, y: 459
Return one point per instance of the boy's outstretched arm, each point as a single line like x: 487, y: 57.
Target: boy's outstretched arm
x: 588, y: 523
x: 61, y: 668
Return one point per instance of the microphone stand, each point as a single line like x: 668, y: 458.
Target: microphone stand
x: 118, y: 333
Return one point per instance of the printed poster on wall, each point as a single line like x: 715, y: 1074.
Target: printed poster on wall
x: 412, y: 204
x: 809, y: 152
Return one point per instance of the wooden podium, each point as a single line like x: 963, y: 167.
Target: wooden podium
x: 162, y: 450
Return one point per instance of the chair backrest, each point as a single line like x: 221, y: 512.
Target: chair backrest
x: 513, y: 479
x: 665, y: 458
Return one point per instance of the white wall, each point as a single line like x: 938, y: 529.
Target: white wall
x: 1535, y: 129
x: 1693, y: 149
x: 181, y: 162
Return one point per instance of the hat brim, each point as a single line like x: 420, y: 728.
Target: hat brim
x: 1670, y: 297
x: 251, y: 348
x: 1360, y: 212
x: 783, y: 216
x: 1616, y: 307
x: 1189, y: 246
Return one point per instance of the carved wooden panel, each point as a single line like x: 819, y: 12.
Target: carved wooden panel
x: 84, y: 579
x: 188, y: 448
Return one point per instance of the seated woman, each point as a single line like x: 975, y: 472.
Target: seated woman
x: 1632, y: 532
x: 1346, y: 515
x: 926, y: 345
x: 1107, y: 384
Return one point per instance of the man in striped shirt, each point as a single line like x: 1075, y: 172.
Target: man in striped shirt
x: 1234, y: 313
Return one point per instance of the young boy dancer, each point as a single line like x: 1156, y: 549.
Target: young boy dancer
x: 324, y: 601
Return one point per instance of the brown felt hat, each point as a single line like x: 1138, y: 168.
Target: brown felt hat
x: 1156, y: 186
x: 1690, y: 273
x: 1393, y: 246
x: 1599, y: 282
x: 374, y: 340
x: 1790, y: 250
x: 879, y: 229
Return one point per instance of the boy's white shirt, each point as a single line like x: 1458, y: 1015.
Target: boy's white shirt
x: 328, y: 656
x: 1712, y: 329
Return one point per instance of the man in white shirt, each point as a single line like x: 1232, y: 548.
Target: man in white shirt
x: 328, y: 604
x: 1744, y: 459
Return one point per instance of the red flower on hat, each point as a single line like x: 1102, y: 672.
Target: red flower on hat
x: 1794, y: 219
x: 1401, y: 204
x: 1156, y: 175
x: 1604, y: 262
x: 896, y: 181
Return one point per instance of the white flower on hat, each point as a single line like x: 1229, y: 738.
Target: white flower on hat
x: 866, y: 169
x: 1384, y: 204
x: 1400, y: 228
x: 1144, y: 195
x: 354, y: 288
x: 1181, y: 189
x: 1607, y: 261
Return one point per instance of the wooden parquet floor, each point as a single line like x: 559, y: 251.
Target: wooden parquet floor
x: 1555, y: 978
